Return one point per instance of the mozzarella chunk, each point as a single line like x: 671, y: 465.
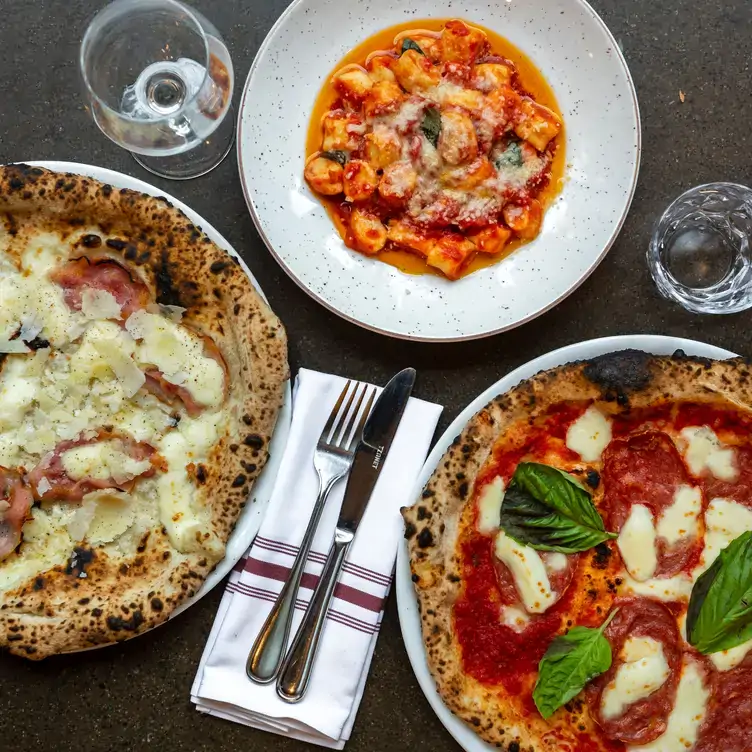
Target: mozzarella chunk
x: 704, y: 451
x: 680, y: 519
x: 725, y: 660
x: 589, y: 435
x: 514, y: 617
x: 644, y: 669
x: 102, y: 460
x: 724, y: 521
x: 667, y: 589
x: 489, y: 506
x: 179, y: 354
x: 186, y: 522
x: 18, y: 389
x: 529, y: 573
x: 687, y: 716
x: 556, y: 561
x: 636, y: 543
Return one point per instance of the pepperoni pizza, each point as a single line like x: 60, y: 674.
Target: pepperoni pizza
x: 140, y: 380
x: 582, y: 558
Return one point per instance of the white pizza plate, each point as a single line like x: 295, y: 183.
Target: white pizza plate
x: 406, y: 601
x: 581, y: 61
x: 250, y: 518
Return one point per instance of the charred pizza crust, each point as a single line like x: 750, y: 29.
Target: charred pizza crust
x: 96, y: 600
x: 622, y: 380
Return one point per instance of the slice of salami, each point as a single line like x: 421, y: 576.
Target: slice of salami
x: 739, y: 489
x: 728, y: 722
x: 646, y: 719
x: 646, y: 468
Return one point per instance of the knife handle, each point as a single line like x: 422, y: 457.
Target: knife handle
x: 298, y: 665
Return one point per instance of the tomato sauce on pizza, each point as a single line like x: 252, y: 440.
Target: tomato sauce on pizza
x: 600, y: 558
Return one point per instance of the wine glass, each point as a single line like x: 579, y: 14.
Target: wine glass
x: 700, y: 254
x: 159, y: 80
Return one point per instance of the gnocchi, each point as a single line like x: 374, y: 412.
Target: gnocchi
x: 437, y: 143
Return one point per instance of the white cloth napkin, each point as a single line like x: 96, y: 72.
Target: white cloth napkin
x: 327, y: 713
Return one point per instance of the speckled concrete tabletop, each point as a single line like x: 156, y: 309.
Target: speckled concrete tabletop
x: 136, y: 696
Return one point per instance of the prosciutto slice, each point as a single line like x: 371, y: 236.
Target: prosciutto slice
x: 170, y: 393
x: 15, y: 502
x: 101, y: 274
x: 50, y: 482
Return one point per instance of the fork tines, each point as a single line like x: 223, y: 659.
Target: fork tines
x: 345, y: 424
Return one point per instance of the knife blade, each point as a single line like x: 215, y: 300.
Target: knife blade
x: 373, y: 448
x: 370, y: 454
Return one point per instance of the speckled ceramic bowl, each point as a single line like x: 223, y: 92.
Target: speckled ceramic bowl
x: 581, y: 61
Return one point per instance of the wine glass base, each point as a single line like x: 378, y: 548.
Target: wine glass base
x: 197, y: 161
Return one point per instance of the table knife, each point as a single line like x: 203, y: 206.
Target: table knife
x: 370, y: 455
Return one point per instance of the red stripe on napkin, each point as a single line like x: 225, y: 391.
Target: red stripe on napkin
x: 343, y: 592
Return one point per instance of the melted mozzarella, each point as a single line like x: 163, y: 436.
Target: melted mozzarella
x: 102, y: 460
x: 514, y: 617
x: 589, y: 435
x: 725, y: 660
x: 489, y: 506
x: 556, y: 561
x: 643, y: 670
x: 187, y: 523
x: 705, y: 451
x: 668, y: 589
x: 636, y: 543
x: 179, y: 355
x: 680, y: 519
x: 724, y: 521
x: 529, y: 573
x: 687, y: 716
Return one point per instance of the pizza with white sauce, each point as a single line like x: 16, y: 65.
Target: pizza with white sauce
x: 582, y: 559
x: 141, y: 375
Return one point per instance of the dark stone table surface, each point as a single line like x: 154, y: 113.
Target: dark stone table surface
x: 136, y: 696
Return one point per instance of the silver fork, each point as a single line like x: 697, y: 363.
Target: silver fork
x: 332, y: 459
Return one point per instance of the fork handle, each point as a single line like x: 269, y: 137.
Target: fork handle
x: 296, y: 670
x: 268, y: 651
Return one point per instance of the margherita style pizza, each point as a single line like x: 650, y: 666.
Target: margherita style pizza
x: 141, y: 377
x: 583, y: 560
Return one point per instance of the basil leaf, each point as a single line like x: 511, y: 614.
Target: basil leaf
x: 335, y: 156
x: 549, y: 510
x: 510, y: 157
x: 571, y: 661
x: 719, y: 616
x: 431, y: 125
x: 408, y: 44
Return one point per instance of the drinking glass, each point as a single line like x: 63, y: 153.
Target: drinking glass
x: 159, y: 80
x: 700, y: 254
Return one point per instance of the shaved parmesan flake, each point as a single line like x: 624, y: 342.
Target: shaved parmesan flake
x: 113, y: 515
x: 43, y: 486
x: 130, y: 376
x: 172, y: 312
x: 31, y: 328
x: 82, y: 517
x: 13, y: 346
x: 99, y: 304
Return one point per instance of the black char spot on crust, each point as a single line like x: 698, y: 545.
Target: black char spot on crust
x: 619, y: 372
